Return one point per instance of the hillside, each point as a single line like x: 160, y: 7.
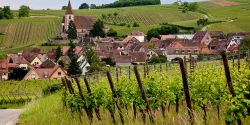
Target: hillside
x: 45, y: 24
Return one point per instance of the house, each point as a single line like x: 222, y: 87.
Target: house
x: 4, y: 73
x: 84, y: 24
x: 138, y: 35
x: 123, y: 60
x: 202, y: 37
x: 219, y: 35
x: 182, y: 48
x: 46, y: 73
x: 84, y: 66
x: 19, y: 60
x: 65, y: 59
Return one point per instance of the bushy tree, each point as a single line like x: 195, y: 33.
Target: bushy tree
x: 71, y: 53
x: 112, y: 33
x: 17, y: 74
x: 135, y: 24
x: 93, y: 6
x: 158, y: 59
x: 24, y: 11
x: 84, y: 6
x: 74, y: 68
x: 115, y: 14
x: 98, y: 29
x: 64, y: 7
x: 94, y: 61
x: 189, y: 7
x: 72, y: 32
x: 6, y: 13
x: 58, y: 52
x: 153, y: 33
x: 61, y: 63
x: 202, y: 22
x: 109, y: 61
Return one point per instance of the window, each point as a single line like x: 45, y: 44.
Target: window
x: 182, y: 51
x: 189, y: 51
x: 59, y: 73
x: 70, y: 17
x: 176, y: 51
x: 196, y: 51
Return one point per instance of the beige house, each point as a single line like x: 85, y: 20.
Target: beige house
x: 46, y: 73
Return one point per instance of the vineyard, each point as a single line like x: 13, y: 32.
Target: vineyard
x: 200, y: 93
x: 20, y: 92
x: 28, y: 31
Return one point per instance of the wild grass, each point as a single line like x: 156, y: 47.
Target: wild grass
x: 50, y: 110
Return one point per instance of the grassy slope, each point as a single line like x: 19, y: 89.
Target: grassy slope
x: 240, y: 13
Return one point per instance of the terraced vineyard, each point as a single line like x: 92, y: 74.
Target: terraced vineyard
x: 28, y: 31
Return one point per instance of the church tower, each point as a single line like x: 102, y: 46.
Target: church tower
x: 68, y: 17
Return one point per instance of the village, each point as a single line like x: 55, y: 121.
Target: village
x: 134, y: 49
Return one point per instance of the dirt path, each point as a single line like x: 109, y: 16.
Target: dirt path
x: 9, y: 116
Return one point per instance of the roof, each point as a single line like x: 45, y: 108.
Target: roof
x: 65, y: 49
x: 18, y: 59
x: 164, y: 37
x: 138, y: 56
x: 46, y: 72
x: 198, y: 36
x: 48, y: 64
x: 217, y: 35
x: 185, y: 36
x: 83, y: 22
x: 136, y: 33
x: 122, y: 59
x: 69, y: 9
x: 78, y: 50
x: 65, y: 59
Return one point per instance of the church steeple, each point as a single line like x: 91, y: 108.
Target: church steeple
x: 69, y: 9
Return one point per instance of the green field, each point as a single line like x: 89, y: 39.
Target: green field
x: 164, y: 91
x: 45, y: 24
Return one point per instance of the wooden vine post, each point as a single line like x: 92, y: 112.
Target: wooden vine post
x: 117, y: 74
x: 160, y: 68
x: 229, y: 79
x: 144, y: 71
x: 88, y: 111
x: 115, y: 97
x: 129, y: 73
x: 238, y: 58
x: 186, y: 91
x: 143, y: 92
x: 97, y: 111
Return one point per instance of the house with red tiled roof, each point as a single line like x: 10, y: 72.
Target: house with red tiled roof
x: 4, y: 73
x: 56, y: 72
x: 84, y: 24
x: 202, y: 37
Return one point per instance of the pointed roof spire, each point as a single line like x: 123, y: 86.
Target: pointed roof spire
x: 69, y: 8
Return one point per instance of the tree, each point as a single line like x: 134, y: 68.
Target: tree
x: 17, y: 74
x: 24, y: 11
x: 1, y: 13
x: 115, y: 14
x: 245, y: 45
x: 7, y: 14
x: 168, y: 29
x: 202, y: 22
x: 61, y: 63
x: 98, y: 29
x: 153, y: 33
x: 72, y: 33
x: 58, y: 52
x: 74, y: 68
x: 64, y: 7
x: 104, y: 16
x: 84, y: 6
x: 158, y: 59
x: 109, y: 61
x: 93, y: 60
x: 93, y: 6
x: 135, y: 24
x: 71, y: 53
x: 112, y: 33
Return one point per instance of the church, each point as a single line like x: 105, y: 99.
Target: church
x: 84, y: 24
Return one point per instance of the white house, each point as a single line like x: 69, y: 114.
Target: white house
x: 138, y: 35
x: 234, y: 41
x: 84, y: 65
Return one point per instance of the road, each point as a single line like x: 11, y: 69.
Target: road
x: 9, y: 116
